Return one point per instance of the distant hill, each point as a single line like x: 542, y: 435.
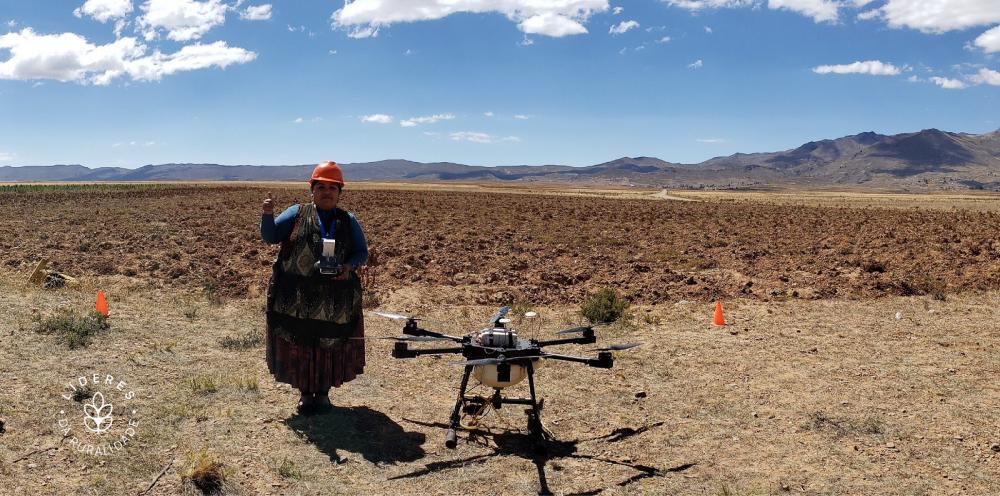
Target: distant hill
x: 924, y: 160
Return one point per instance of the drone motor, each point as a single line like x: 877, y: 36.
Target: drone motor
x: 497, y: 338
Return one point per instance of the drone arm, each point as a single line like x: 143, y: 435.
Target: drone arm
x: 411, y: 329
x: 587, y: 338
x: 402, y: 350
x: 604, y: 359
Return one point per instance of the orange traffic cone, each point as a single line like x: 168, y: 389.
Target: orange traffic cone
x: 102, y: 304
x: 719, y: 320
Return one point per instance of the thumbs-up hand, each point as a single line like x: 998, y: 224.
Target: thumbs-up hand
x: 268, y: 207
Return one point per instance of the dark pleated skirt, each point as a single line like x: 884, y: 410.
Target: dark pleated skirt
x: 312, y: 368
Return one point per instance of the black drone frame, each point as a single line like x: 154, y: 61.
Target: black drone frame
x: 503, y: 358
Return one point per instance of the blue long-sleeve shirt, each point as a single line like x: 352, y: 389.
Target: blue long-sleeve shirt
x: 275, y: 230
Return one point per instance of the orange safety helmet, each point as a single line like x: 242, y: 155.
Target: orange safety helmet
x: 327, y: 172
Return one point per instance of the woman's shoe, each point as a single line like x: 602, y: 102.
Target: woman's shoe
x: 307, y: 404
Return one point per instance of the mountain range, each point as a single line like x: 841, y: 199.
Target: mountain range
x: 924, y: 160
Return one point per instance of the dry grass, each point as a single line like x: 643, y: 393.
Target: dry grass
x: 832, y: 397
x: 205, y: 472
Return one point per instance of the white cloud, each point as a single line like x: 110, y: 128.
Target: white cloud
x: 819, y: 10
x: 65, y: 57
x: 488, y: 114
x: 188, y: 58
x: 430, y: 119
x: 708, y: 29
x: 710, y: 4
x: 986, y: 76
x: 521, y: 117
x: 183, y: 20
x: 69, y: 57
x: 928, y: 16
x: 298, y: 120
x: 331, y: 52
x: 11, y: 24
x: 482, y: 138
x: 617, y: 10
x: 377, y: 119
x: 550, y: 24
x: 873, y: 67
x: 104, y: 10
x: 557, y: 18
x: 869, y: 15
x: 640, y: 47
x: 472, y: 136
x: 697, y: 64
x: 362, y: 32
x: 948, y: 84
x: 990, y: 40
x: 665, y: 39
x: 938, y: 16
x: 711, y: 141
x: 526, y: 41
x: 6, y: 157
x: 623, y: 27
x: 119, y: 27
x: 257, y: 13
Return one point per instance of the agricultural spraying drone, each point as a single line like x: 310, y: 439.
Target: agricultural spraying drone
x: 496, y: 357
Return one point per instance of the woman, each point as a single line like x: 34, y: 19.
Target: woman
x: 314, y: 296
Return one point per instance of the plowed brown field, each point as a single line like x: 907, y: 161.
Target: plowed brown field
x: 516, y: 247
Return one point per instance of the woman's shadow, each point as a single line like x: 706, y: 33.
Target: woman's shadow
x: 360, y: 430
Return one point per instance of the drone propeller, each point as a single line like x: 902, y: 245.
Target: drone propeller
x: 394, y: 316
x: 617, y: 347
x: 501, y: 313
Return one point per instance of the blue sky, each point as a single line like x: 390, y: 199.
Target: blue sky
x: 491, y: 82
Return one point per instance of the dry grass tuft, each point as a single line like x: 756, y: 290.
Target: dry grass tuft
x: 249, y: 340
x: 203, y: 384
x: 287, y: 469
x: 72, y: 328
x: 205, y: 472
x: 604, y: 306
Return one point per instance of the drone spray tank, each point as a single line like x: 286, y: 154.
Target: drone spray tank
x: 503, y: 374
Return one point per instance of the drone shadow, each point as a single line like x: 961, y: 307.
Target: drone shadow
x: 359, y: 429
x: 524, y: 446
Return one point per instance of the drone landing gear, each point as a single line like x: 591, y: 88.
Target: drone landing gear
x: 469, y: 404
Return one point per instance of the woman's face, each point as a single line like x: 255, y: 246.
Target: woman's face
x: 325, y: 195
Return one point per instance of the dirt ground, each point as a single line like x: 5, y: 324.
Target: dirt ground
x: 552, y: 248
x: 865, y: 391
